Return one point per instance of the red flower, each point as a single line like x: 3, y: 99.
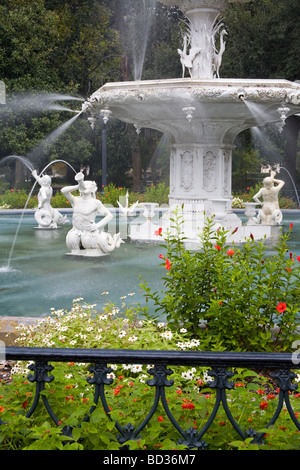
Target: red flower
x: 160, y: 418
x: 158, y: 232
x: 263, y: 405
x: 218, y: 247
x: 281, y: 307
x: 230, y: 252
x: 161, y: 256
x: 298, y: 258
x: 168, y: 264
x: 235, y: 230
x: 188, y: 406
x: 291, y: 226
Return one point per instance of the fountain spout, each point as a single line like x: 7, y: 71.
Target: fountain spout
x: 241, y: 94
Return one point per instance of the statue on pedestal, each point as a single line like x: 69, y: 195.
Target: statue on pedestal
x: 86, y: 237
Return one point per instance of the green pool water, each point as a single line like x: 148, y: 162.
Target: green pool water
x: 44, y: 276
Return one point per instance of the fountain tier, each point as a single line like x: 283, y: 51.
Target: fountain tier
x: 202, y: 118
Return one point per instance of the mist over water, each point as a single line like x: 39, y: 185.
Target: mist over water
x: 37, y: 102
x: 24, y: 160
x: 33, y: 155
x: 259, y: 112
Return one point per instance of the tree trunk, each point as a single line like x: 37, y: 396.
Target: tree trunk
x: 19, y: 173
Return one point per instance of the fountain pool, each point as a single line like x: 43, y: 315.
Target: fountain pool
x: 43, y: 276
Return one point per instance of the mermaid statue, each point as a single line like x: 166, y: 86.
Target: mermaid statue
x: 45, y: 215
x: 87, y: 237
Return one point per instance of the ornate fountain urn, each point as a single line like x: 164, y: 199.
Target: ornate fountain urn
x: 200, y: 112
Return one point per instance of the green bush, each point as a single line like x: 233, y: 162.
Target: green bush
x: 244, y: 298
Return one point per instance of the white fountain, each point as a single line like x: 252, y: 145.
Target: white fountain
x: 202, y: 115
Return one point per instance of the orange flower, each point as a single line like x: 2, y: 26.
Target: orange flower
x: 263, y: 405
x: 188, y: 406
x: 168, y: 264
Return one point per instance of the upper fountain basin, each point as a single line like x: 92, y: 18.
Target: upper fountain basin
x: 187, y: 109
x: 187, y: 5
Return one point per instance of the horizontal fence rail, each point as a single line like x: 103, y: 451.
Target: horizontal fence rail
x: 281, y: 366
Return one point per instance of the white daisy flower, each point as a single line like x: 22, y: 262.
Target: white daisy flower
x: 167, y: 334
x: 132, y: 338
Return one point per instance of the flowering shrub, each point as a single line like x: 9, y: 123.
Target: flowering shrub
x: 244, y: 298
x: 190, y: 400
x: 129, y: 397
x: 16, y: 199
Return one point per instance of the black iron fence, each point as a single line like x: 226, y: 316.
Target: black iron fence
x: 222, y: 365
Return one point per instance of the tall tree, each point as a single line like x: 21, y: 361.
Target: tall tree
x: 52, y: 46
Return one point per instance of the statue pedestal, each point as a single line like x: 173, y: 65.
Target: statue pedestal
x: 91, y: 253
x: 148, y: 230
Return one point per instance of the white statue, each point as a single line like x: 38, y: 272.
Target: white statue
x: 46, y: 216
x: 270, y: 213
x: 127, y: 211
x: 185, y: 58
x: 217, y: 56
x: 86, y: 237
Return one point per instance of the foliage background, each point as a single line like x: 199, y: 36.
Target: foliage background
x: 74, y: 48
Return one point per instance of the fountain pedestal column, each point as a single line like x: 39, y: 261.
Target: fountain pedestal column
x: 198, y: 174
